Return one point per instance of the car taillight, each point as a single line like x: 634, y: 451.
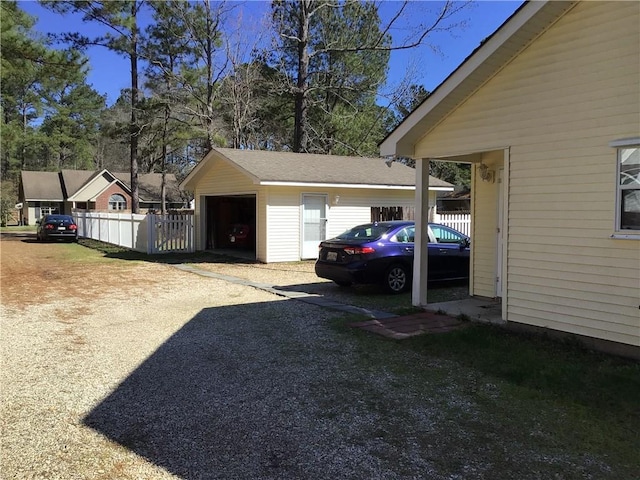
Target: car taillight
x: 48, y: 226
x: 73, y: 227
x: 358, y: 250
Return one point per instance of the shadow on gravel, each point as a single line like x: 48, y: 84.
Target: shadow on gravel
x: 230, y: 395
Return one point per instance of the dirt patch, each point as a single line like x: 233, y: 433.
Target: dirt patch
x: 31, y: 273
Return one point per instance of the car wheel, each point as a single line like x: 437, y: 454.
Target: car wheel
x: 342, y: 283
x: 397, y: 279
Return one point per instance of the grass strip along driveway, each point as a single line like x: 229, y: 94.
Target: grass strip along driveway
x: 128, y: 368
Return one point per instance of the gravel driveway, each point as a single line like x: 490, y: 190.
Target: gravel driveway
x: 130, y: 370
x: 176, y: 376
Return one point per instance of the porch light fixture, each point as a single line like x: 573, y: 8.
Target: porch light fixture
x: 485, y: 174
x: 336, y: 199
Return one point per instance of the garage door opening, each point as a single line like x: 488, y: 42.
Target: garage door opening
x: 231, y: 225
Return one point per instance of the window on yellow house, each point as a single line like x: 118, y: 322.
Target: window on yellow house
x: 628, y: 185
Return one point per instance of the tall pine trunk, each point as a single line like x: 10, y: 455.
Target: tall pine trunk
x: 301, y: 136
x: 133, y: 128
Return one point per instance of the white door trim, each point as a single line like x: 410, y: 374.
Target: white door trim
x: 309, y: 248
x: 499, y: 233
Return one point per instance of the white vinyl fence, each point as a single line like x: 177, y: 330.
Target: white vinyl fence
x: 458, y: 221
x: 142, y: 233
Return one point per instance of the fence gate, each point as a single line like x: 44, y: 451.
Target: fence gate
x: 170, y: 233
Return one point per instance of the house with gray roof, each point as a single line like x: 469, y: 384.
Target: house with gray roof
x: 101, y: 191
x: 547, y: 111
x: 278, y: 206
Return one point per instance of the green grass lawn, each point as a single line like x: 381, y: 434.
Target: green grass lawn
x: 532, y: 391
x: 21, y: 228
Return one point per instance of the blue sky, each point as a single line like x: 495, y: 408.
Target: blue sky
x: 110, y: 73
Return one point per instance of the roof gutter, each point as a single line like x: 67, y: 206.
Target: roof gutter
x: 348, y: 185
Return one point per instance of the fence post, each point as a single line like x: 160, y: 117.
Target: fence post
x: 150, y: 232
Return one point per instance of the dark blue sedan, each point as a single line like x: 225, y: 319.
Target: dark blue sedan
x: 382, y: 252
x: 57, y: 227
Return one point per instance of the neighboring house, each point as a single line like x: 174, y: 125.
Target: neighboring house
x: 548, y: 111
x: 62, y: 192
x: 289, y: 202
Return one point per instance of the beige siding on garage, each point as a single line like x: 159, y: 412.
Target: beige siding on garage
x: 223, y: 179
x: 353, y: 207
x: 283, y: 224
x: 557, y: 106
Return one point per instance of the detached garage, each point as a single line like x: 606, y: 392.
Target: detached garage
x: 277, y: 206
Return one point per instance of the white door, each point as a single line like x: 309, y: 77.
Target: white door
x: 314, y: 224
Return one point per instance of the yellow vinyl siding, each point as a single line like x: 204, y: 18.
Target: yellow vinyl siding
x: 557, y: 106
x: 223, y: 179
x: 485, y: 224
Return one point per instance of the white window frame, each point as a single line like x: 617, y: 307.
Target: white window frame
x: 117, y: 205
x: 621, y: 145
x: 48, y: 209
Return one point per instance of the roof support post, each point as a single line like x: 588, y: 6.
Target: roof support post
x: 420, y: 267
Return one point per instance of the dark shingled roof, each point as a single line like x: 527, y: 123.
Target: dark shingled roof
x: 57, y: 186
x: 268, y: 166
x: 73, y: 180
x: 42, y: 186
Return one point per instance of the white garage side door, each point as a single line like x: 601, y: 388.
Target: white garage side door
x: 314, y: 224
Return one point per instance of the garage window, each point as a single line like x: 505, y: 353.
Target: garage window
x: 628, y: 185
x: 117, y: 202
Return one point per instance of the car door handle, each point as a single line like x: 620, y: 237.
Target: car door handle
x: 443, y: 250
x: 408, y: 249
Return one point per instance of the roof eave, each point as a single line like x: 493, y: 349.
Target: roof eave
x: 475, y: 71
x: 279, y: 183
x: 27, y: 199
x: 350, y: 185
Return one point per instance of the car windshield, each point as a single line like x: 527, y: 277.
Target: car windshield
x: 368, y: 232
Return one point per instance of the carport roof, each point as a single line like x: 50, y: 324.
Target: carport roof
x: 288, y: 168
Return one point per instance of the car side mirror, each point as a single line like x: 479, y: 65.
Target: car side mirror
x: 465, y: 244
